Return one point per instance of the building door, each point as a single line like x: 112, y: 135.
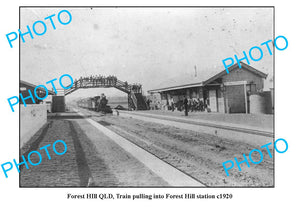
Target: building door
x: 220, y: 98
x: 213, y: 100
x: 235, y: 99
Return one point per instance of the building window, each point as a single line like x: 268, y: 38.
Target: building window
x: 251, y: 87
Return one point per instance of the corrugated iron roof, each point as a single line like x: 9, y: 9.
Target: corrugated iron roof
x: 27, y: 84
x: 203, y: 77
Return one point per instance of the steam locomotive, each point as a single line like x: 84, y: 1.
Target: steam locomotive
x: 96, y: 103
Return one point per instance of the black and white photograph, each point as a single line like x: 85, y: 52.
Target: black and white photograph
x: 146, y: 96
x: 149, y: 106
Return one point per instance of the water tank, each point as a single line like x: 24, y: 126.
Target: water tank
x: 261, y: 103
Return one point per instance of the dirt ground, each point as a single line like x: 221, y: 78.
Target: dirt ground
x: 59, y: 170
x: 199, y: 155
x: 91, y: 159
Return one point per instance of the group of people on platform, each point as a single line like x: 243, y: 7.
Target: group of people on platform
x: 193, y: 104
x: 111, y: 80
x: 186, y: 104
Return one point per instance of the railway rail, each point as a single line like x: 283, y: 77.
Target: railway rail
x: 174, y: 175
x: 171, y: 157
x: 105, y: 150
x: 250, y: 135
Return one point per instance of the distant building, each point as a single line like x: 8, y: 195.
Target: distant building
x: 25, y: 86
x: 221, y: 92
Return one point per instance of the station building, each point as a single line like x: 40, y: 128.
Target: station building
x: 222, y: 92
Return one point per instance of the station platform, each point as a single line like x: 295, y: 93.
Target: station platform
x: 255, y: 130
x: 256, y: 122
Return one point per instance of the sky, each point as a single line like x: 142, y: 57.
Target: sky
x: 141, y: 45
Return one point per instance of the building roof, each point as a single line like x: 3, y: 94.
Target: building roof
x: 30, y: 85
x: 203, y: 78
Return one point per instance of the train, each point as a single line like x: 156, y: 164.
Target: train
x: 96, y: 103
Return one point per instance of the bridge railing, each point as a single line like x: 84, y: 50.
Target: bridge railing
x: 123, y: 85
x: 135, y: 98
x: 103, y: 82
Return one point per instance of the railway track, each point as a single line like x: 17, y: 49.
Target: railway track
x: 124, y: 133
x: 250, y: 135
x: 195, y: 167
x: 166, y: 170
x: 201, y: 123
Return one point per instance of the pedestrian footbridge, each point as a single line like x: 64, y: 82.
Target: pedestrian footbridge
x: 136, y: 100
